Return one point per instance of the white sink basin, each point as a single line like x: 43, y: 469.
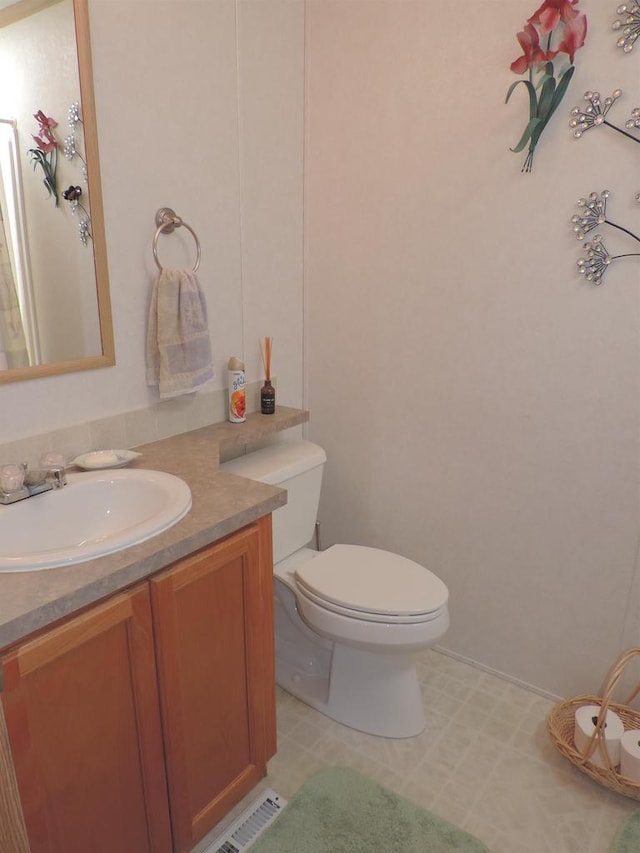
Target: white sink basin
x: 96, y: 513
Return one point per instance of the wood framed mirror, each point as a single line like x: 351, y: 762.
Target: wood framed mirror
x: 54, y: 278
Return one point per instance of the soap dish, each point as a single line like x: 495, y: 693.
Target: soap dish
x: 105, y: 459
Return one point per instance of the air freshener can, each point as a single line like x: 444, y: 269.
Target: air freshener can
x: 237, y: 396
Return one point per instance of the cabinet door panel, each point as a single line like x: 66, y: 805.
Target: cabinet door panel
x: 81, y: 708
x: 214, y: 645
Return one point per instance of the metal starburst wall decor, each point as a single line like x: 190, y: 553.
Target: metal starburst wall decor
x: 628, y: 24
x: 70, y: 143
x: 73, y: 193
x: 549, y: 41
x: 594, y: 114
x: 593, y: 214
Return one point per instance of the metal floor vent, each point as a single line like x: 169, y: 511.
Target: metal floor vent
x: 253, y: 820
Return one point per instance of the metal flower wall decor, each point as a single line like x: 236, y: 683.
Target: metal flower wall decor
x: 46, y: 156
x: 70, y: 143
x: 558, y: 27
x: 593, y: 214
x: 72, y: 194
x: 629, y: 24
x: 593, y: 210
x: 595, y: 115
x: 549, y: 41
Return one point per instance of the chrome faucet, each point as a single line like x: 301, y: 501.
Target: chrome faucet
x: 18, y: 482
x: 56, y: 476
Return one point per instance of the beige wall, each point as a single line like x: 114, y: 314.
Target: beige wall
x: 199, y: 107
x: 477, y: 400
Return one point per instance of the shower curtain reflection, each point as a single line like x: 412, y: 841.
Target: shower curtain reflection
x: 13, y: 347
x: 19, y: 341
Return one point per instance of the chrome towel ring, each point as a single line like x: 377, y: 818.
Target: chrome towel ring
x: 167, y: 221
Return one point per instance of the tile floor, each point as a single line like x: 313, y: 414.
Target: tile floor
x: 485, y: 763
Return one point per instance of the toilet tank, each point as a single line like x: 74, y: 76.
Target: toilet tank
x: 297, y: 467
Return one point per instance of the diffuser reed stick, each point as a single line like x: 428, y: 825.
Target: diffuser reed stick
x: 266, y: 345
x: 267, y: 392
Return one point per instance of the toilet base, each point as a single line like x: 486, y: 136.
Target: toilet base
x: 368, y: 690
x: 373, y: 693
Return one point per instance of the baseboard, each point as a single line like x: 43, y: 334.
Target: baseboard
x: 503, y: 675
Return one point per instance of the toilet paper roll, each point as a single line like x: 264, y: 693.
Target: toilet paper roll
x: 630, y: 755
x: 586, y: 718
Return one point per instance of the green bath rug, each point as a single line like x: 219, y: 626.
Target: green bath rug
x: 628, y: 840
x: 340, y: 811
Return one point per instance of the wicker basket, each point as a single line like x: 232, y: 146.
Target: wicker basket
x: 561, y: 720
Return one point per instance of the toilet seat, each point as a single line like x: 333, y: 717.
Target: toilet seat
x: 372, y: 585
x: 365, y: 616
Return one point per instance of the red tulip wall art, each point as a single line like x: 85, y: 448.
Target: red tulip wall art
x: 549, y: 42
x: 45, y: 154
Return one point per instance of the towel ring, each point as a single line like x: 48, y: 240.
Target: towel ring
x: 167, y: 221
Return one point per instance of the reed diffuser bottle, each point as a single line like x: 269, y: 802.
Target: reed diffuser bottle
x: 267, y: 392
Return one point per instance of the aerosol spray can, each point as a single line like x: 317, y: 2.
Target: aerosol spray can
x: 237, y: 397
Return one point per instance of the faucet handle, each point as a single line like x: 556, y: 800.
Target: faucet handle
x: 52, y: 459
x: 12, y: 478
x: 54, y: 469
x: 56, y: 476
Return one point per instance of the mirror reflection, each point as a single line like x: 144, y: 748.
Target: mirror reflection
x: 54, y: 300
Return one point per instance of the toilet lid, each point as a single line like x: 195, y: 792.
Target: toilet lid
x: 369, y: 580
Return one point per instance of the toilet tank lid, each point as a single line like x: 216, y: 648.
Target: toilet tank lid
x: 278, y: 462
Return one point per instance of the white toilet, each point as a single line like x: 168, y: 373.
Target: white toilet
x: 348, y: 619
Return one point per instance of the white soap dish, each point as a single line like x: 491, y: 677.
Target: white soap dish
x: 105, y: 459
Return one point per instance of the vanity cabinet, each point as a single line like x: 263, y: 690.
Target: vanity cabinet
x: 82, y: 713
x: 213, y: 618
x: 136, y: 725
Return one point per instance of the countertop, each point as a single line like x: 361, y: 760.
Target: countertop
x: 221, y: 504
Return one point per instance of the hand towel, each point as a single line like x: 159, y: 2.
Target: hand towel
x: 178, y: 343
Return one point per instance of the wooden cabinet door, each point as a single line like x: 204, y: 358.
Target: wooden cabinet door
x: 82, y: 714
x: 213, y: 621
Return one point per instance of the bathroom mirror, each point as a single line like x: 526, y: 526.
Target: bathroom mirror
x: 55, y: 313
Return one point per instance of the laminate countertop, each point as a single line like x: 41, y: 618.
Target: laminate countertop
x: 221, y: 504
